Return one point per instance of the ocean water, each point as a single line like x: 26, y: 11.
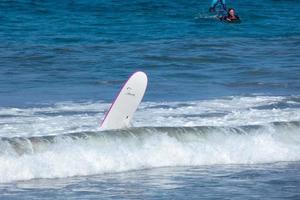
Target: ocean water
x: 220, y: 118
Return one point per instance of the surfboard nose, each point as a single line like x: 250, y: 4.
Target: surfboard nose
x: 126, y: 102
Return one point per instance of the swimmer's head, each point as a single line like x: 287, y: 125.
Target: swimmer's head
x: 231, y: 12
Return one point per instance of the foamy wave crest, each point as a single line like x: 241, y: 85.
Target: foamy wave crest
x: 69, y: 117
x: 90, y: 153
x: 64, y: 140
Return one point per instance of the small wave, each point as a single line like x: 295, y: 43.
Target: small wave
x: 87, y: 153
x: 62, y: 140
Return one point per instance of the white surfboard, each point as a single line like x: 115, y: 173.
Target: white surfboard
x: 125, y: 104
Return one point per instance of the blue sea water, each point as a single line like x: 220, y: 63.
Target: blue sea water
x: 220, y: 118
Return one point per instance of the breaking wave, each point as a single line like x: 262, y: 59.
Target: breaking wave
x: 88, y: 153
x: 64, y: 140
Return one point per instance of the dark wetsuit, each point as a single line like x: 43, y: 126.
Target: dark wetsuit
x: 228, y: 18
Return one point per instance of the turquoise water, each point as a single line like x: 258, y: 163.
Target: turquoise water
x: 220, y: 117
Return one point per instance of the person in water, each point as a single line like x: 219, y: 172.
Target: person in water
x: 231, y: 16
x: 220, y: 4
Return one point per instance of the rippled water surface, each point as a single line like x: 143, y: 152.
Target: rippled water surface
x: 220, y: 118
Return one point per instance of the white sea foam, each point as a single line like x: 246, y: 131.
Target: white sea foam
x: 147, y: 148
x: 68, y: 117
x: 237, y: 130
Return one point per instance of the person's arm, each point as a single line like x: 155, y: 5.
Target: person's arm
x: 222, y: 18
